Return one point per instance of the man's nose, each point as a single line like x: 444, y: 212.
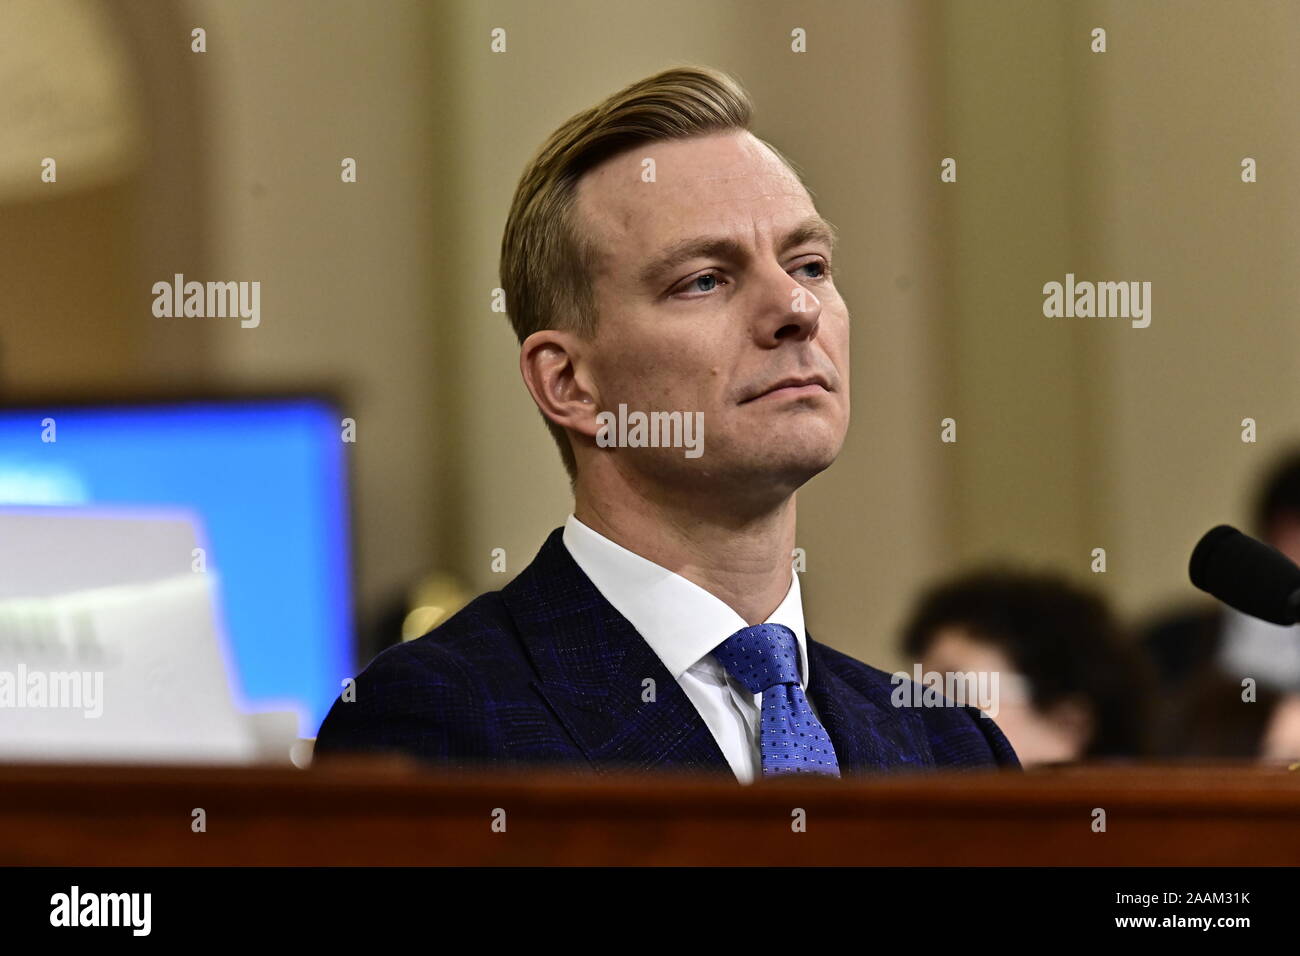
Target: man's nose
x: 789, y: 309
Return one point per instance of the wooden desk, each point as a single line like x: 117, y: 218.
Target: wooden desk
x: 385, y: 812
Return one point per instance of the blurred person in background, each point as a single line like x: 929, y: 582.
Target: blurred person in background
x: 1203, y: 653
x: 1216, y: 717
x: 1071, y: 688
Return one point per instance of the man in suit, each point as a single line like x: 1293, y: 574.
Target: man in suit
x: 660, y: 258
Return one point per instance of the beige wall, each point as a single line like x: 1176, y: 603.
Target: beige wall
x: 347, y: 270
x: 1185, y: 99
x: 1072, y: 434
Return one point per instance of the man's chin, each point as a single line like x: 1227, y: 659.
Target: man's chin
x: 808, y: 466
x: 808, y: 449
x: 764, y: 467
x: 782, y: 470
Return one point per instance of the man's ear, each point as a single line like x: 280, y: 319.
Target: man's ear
x: 551, y: 363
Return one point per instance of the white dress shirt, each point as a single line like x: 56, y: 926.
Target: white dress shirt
x: 683, y: 623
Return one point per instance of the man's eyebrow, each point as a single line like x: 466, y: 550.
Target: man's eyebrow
x: 812, y: 229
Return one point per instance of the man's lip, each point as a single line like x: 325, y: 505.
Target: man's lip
x: 793, y: 386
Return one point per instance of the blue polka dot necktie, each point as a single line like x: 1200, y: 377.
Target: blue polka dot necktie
x: 765, y: 658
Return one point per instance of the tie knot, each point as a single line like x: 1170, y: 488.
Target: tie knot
x: 761, y: 656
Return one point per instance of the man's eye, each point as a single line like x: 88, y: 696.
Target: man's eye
x: 817, y: 264
x: 710, y: 281
x: 709, y: 278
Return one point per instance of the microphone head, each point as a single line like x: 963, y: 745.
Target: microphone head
x: 1246, y: 574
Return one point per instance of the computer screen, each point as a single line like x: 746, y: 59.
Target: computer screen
x: 268, y: 478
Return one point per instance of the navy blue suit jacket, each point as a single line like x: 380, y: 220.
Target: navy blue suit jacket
x: 546, y: 672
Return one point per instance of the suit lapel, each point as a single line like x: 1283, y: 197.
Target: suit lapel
x: 868, y: 735
x: 592, y: 667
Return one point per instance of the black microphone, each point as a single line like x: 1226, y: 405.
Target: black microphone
x: 1247, y: 574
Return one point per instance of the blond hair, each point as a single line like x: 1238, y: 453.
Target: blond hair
x: 546, y: 261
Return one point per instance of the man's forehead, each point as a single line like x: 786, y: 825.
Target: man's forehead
x: 720, y: 184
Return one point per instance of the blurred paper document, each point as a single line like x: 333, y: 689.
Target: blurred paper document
x: 109, y: 642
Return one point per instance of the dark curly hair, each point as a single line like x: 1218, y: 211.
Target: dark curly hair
x: 1062, y: 638
x: 1278, y: 495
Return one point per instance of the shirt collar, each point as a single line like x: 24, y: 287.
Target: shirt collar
x: 680, y: 620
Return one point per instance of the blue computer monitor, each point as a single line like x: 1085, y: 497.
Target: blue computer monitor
x: 268, y: 478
